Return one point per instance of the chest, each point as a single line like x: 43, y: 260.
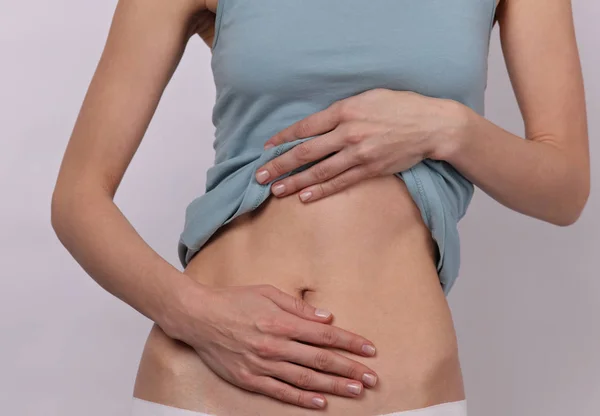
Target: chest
x: 299, y: 48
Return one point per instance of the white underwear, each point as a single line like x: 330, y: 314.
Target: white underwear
x: 145, y: 408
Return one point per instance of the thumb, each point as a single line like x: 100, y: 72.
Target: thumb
x: 298, y: 306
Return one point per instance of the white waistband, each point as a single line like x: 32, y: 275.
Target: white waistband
x: 142, y: 407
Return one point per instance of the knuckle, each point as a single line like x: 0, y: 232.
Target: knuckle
x: 322, y: 190
x: 265, y: 324
x: 353, y: 372
x: 322, y: 360
x: 339, y: 182
x: 282, y: 393
x: 345, y: 111
x: 299, y: 305
x: 257, y: 345
x: 355, y: 342
x: 376, y: 91
x: 265, y: 348
x: 354, y: 134
x: 303, y: 151
x: 337, y: 387
x: 277, y: 167
x: 244, y: 378
x: 281, y: 327
x: 305, y: 379
x: 329, y: 337
x: 371, y: 169
x: 257, y: 363
x: 299, y: 397
x: 289, y: 328
x: 320, y: 171
x: 364, y: 154
x: 303, y: 129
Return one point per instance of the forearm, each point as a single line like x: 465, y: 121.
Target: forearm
x: 105, y: 244
x: 533, y: 177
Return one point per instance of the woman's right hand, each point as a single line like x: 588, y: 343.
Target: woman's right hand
x: 255, y: 336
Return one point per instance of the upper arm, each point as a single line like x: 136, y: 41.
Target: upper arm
x: 143, y: 48
x: 542, y: 59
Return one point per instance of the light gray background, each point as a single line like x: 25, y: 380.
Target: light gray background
x: 526, y: 304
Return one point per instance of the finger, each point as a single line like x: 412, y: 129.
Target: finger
x: 300, y: 155
x: 296, y: 305
x: 329, y: 361
x: 342, y: 181
x: 316, y: 123
x: 322, y: 171
x: 284, y: 392
x: 308, y: 379
x: 331, y: 336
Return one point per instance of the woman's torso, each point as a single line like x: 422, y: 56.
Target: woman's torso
x: 364, y: 253
x: 276, y: 62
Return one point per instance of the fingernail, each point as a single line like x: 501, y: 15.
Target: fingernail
x: 278, y: 189
x: 322, y: 313
x: 269, y: 145
x: 354, y: 388
x: 369, y: 379
x: 262, y: 176
x: 368, y: 349
x: 305, y: 196
x: 318, y: 402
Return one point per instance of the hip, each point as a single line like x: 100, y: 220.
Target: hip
x: 363, y: 253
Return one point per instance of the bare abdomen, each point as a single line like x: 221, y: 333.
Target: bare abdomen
x: 364, y: 254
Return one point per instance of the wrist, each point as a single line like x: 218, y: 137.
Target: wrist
x: 184, y: 296
x: 451, y: 137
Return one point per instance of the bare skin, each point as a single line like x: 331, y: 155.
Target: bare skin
x: 363, y: 253
x: 392, y: 282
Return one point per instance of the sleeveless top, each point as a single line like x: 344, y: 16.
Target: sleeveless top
x: 275, y: 62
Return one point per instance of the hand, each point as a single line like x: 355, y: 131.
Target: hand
x: 378, y: 132
x: 249, y: 336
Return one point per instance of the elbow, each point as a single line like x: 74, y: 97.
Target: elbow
x: 70, y: 201
x: 57, y: 204
x: 572, y: 211
x: 63, y: 204
x: 567, y: 219
x: 573, y: 200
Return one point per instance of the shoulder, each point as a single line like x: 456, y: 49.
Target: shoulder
x: 172, y: 8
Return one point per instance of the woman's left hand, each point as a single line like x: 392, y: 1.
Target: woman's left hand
x: 378, y: 132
